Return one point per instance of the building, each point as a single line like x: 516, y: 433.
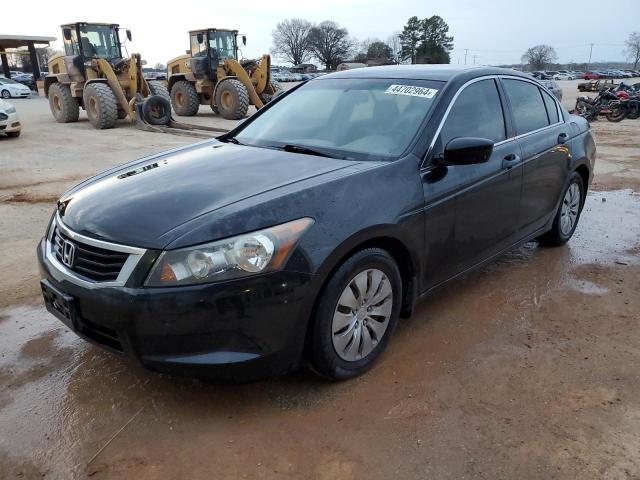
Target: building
x: 304, y: 68
x: 19, y: 41
x: 350, y: 66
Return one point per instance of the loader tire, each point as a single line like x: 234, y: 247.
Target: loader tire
x: 101, y: 105
x: 184, y: 98
x: 277, y: 90
x: 156, y: 110
x: 122, y: 114
x: 64, y: 107
x: 232, y: 99
x: 158, y: 88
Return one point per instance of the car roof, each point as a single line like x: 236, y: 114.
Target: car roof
x: 443, y: 72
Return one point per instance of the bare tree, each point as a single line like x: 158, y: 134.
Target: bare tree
x: 44, y: 54
x: 539, y: 57
x: 633, y: 49
x: 291, y: 40
x: 159, y: 66
x: 394, y: 42
x: 330, y: 43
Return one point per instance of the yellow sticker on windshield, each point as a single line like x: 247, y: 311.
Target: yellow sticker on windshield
x: 412, y: 91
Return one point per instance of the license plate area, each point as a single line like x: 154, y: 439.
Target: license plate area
x: 59, y: 304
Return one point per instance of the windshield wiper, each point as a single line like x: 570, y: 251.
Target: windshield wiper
x: 233, y: 140
x: 290, y: 147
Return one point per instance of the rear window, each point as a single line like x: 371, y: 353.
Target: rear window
x: 529, y: 111
x: 552, y: 108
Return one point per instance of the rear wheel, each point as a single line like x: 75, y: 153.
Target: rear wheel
x: 357, y: 313
x: 616, y: 114
x: 64, y: 106
x: 184, y: 98
x: 568, y: 214
x: 232, y: 99
x: 101, y: 105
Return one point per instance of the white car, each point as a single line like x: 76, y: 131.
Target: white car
x: 563, y: 76
x: 12, y: 89
x: 9, y: 121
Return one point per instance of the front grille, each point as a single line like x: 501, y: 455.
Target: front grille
x: 94, y: 263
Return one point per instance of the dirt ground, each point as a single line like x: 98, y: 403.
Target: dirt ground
x: 525, y: 369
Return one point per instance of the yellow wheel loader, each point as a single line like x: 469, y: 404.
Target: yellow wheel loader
x: 92, y: 73
x: 211, y: 74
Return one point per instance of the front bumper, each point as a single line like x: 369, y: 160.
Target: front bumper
x: 11, y: 124
x: 239, y: 330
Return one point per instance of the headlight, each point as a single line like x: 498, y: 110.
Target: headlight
x: 248, y: 254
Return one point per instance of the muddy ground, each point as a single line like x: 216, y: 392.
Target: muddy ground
x: 525, y: 369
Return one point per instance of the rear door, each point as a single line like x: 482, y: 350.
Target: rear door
x: 541, y: 132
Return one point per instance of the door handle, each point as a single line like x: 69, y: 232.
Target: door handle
x: 562, y: 138
x: 510, y: 161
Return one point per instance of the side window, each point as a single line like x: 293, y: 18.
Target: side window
x: 552, y: 108
x: 198, y: 49
x: 477, y: 112
x: 529, y: 112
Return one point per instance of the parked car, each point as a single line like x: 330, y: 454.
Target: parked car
x: 563, y: 76
x: 26, y: 80
x: 10, y: 88
x: 592, y: 75
x: 9, y: 120
x: 553, y: 87
x: 303, y: 234
x: 155, y: 75
x: 541, y: 75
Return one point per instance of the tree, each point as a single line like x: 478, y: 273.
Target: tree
x: 330, y: 43
x: 44, y: 54
x: 394, y: 43
x: 379, y: 50
x: 426, y: 41
x: 291, y: 40
x: 539, y: 56
x: 159, y: 66
x: 410, y: 39
x: 435, y: 43
x: 633, y: 49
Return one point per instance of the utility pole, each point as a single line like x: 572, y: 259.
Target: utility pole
x: 590, y: 52
x: 466, y: 51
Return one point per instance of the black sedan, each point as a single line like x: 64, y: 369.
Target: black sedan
x: 304, y: 234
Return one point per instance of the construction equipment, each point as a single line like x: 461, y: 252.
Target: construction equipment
x: 92, y: 73
x: 211, y: 74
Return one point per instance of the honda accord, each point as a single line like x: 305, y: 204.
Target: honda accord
x: 303, y: 235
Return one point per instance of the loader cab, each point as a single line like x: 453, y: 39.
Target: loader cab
x: 211, y: 48
x: 92, y: 40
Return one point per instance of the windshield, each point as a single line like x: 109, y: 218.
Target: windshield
x: 99, y: 41
x: 224, y: 43
x: 352, y: 118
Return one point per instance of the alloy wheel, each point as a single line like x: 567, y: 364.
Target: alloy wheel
x: 362, y: 315
x: 570, y: 209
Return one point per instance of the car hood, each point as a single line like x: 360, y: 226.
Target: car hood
x: 4, y: 106
x: 138, y: 203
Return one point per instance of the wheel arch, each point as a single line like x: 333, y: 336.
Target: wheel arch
x: 173, y: 79
x: 381, y: 237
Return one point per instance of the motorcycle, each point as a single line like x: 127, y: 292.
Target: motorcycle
x: 605, y: 103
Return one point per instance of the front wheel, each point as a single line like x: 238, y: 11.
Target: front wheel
x: 101, y: 105
x: 5, y: 94
x: 232, y: 99
x: 356, y: 315
x: 568, y: 214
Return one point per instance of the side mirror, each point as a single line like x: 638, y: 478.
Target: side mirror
x: 468, y: 151
x: 128, y: 34
x: 244, y: 39
x: 66, y: 33
x: 200, y: 37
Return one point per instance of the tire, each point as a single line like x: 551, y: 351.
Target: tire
x: 101, y: 105
x: 184, y: 98
x: 64, y: 107
x: 13, y: 134
x: 158, y: 88
x: 634, y: 113
x: 267, y: 97
x: 338, y: 350
x: 5, y: 94
x: 560, y: 233
x: 617, y: 114
x: 156, y: 110
x: 232, y: 99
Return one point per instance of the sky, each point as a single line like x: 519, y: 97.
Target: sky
x: 494, y: 31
